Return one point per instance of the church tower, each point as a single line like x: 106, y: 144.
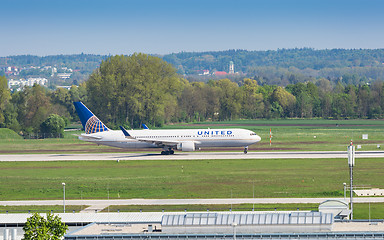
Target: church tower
x: 231, y: 68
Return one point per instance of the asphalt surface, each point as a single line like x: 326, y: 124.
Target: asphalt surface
x: 188, y: 156
x: 121, y: 202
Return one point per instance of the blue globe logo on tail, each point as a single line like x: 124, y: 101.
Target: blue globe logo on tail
x: 94, y: 125
x: 90, y: 122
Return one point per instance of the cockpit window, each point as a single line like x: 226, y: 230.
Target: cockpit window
x: 253, y: 134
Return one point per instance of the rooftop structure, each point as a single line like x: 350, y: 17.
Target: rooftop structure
x: 338, y: 208
x: 220, y: 73
x: 369, y: 192
x: 206, y: 225
x: 247, y: 223
x: 211, y: 223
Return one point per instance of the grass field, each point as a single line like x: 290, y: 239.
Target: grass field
x: 216, y: 207
x: 287, y: 135
x: 40, y: 209
x: 185, y: 179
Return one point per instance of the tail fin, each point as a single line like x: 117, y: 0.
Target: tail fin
x: 89, y: 121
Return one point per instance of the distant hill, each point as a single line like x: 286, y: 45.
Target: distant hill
x: 281, y: 66
x: 58, y: 60
x: 285, y: 66
x: 300, y: 58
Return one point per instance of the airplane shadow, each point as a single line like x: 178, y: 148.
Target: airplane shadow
x: 140, y: 155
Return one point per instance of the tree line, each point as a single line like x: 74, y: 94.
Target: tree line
x: 131, y: 90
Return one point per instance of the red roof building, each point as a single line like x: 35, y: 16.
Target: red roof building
x: 220, y: 73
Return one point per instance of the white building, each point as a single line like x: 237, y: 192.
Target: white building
x: 64, y: 75
x: 12, y: 83
x: 29, y: 82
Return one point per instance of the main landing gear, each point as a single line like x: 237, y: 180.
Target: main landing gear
x: 246, y: 150
x: 167, y: 152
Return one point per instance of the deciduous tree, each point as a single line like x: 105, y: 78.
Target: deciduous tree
x: 53, y: 126
x: 133, y: 89
x: 5, y: 95
x: 37, y: 228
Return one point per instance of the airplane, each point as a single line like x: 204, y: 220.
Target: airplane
x: 169, y: 140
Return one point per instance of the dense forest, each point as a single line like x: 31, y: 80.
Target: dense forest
x: 280, y: 67
x: 130, y: 90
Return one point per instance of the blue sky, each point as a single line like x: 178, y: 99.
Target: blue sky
x: 49, y: 27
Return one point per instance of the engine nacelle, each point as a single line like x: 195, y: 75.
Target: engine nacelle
x: 186, y: 146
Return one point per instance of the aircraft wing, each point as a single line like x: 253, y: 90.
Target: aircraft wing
x: 158, y: 142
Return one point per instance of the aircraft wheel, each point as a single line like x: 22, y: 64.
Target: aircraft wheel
x: 162, y: 152
x: 245, y: 150
x: 171, y: 152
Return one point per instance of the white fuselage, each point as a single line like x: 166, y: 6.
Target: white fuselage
x: 200, y: 138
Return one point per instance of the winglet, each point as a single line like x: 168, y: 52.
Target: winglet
x: 126, y: 134
x: 144, y: 126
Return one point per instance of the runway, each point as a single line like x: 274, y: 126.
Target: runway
x: 122, y: 202
x: 187, y: 156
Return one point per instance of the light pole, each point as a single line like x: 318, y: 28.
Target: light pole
x: 345, y: 189
x: 351, y: 163
x: 63, y: 195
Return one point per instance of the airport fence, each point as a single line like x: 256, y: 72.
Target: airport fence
x: 31, y: 136
x: 42, y: 135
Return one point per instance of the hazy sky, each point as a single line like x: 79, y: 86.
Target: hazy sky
x: 48, y: 27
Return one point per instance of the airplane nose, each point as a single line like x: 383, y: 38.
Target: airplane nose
x: 258, y: 138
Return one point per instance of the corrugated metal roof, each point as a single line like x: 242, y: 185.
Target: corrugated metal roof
x: 199, y: 219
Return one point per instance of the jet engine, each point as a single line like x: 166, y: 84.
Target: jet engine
x: 186, y: 146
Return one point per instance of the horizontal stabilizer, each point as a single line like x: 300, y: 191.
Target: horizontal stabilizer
x: 88, y: 137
